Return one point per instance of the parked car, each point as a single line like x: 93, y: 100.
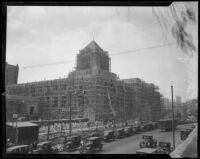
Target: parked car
x: 119, y: 133
x: 44, y: 147
x: 147, y: 151
x: 91, y: 145
x: 72, y: 143
x: 148, y: 142
x: 136, y: 128
x: 184, y: 133
x: 109, y: 135
x: 164, y: 148
x: 18, y: 149
x: 128, y: 131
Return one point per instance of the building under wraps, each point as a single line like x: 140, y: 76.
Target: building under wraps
x: 93, y: 92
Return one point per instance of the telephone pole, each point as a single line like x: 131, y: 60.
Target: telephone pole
x: 173, y: 118
x: 70, y: 116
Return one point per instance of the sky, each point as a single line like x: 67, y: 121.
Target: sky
x: 38, y: 35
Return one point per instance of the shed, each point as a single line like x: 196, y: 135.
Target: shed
x: 26, y: 134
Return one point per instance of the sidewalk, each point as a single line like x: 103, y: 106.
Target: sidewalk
x: 187, y: 148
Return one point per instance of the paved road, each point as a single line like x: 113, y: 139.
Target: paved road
x: 130, y: 145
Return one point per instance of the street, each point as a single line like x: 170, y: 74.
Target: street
x: 130, y: 145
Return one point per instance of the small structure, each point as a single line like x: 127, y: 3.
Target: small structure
x: 166, y: 124
x: 22, y: 132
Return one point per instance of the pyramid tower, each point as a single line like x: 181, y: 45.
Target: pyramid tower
x: 93, y: 57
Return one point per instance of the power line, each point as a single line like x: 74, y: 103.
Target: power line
x: 119, y: 53
x: 42, y: 65
x: 147, y: 48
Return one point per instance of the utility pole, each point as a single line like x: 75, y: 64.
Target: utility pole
x: 16, y: 132
x: 48, y: 125
x: 173, y: 118
x: 70, y: 116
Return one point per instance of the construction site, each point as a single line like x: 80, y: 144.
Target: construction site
x: 92, y: 91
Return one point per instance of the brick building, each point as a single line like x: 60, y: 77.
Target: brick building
x: 94, y: 92
x: 11, y: 74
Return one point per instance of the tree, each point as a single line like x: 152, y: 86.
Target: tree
x: 176, y: 18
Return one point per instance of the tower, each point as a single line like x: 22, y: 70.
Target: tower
x: 92, y: 57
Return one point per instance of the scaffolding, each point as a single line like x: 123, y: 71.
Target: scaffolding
x: 100, y: 88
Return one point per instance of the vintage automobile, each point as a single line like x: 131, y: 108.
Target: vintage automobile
x: 136, y: 129
x: 147, y: 151
x: 119, y: 133
x: 72, y: 143
x: 91, y: 145
x: 128, y: 131
x: 18, y: 149
x: 109, y: 135
x: 44, y: 147
x: 94, y: 134
x: 164, y: 148
x: 148, y: 142
x: 142, y: 128
x: 184, y: 133
x: 155, y: 125
x: 148, y: 126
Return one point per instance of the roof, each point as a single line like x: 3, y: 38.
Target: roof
x: 44, y: 142
x: 109, y: 131
x: 93, y: 46
x: 147, y: 150
x: 70, y: 137
x: 166, y: 119
x: 92, y: 138
x: 21, y: 124
x: 14, y: 147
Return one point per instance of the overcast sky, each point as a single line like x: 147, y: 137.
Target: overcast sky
x: 42, y: 35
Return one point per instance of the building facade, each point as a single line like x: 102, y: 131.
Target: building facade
x: 22, y: 106
x: 11, y: 74
x: 93, y: 92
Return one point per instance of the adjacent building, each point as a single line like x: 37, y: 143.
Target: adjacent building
x: 11, y: 74
x: 93, y: 92
x: 26, y: 106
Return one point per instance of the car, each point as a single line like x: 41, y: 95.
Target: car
x: 128, y: 131
x: 18, y: 149
x: 148, y: 142
x: 72, y: 143
x: 148, y: 126
x: 142, y: 128
x: 184, y: 133
x: 136, y: 129
x: 164, y: 148
x: 109, y: 135
x: 147, y: 151
x: 119, y: 133
x: 45, y: 147
x: 91, y: 145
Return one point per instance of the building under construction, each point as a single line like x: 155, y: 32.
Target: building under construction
x: 92, y: 91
